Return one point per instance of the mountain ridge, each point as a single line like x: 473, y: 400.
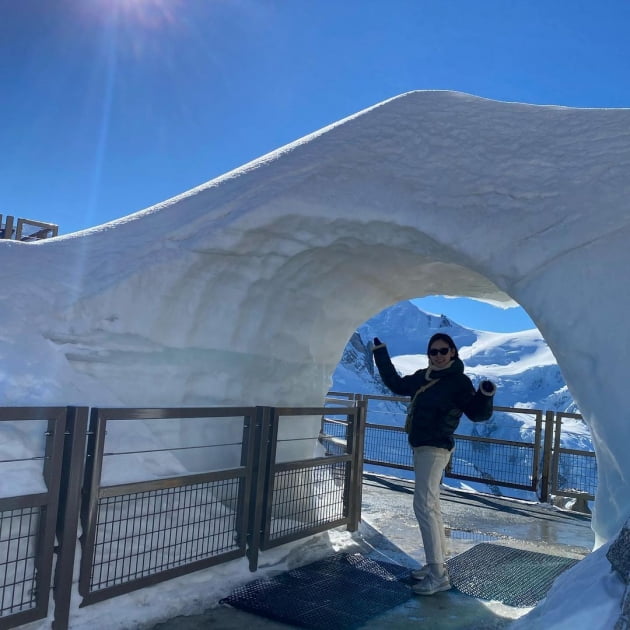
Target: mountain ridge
x: 520, y: 363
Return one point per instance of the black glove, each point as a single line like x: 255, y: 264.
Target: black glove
x: 377, y: 341
x: 488, y: 388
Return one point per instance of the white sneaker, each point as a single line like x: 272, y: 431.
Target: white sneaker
x: 420, y: 574
x: 431, y: 585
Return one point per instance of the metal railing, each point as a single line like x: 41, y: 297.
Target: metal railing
x: 566, y: 461
x: 140, y: 533
x: 504, y: 463
x: 195, y: 504
x: 304, y: 497
x: 28, y: 521
x: 26, y: 229
x: 537, y: 462
x: 200, y: 502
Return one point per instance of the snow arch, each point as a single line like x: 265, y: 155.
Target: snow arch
x: 245, y: 290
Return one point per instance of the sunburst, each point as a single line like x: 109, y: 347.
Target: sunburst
x: 148, y: 14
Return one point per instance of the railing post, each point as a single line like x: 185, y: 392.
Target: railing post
x: 8, y: 227
x: 547, y: 453
x: 89, y: 497
x: 260, y: 467
x: 357, y: 441
x: 46, y: 535
x: 555, y: 452
x: 68, y: 512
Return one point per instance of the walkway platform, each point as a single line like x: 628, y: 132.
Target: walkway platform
x: 389, y: 535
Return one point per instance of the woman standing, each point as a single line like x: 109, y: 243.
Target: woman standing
x: 440, y: 394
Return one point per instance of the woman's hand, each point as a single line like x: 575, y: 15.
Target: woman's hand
x: 488, y: 388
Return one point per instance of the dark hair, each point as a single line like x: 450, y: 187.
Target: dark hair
x: 446, y: 339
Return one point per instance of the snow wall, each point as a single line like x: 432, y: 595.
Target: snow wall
x: 246, y: 289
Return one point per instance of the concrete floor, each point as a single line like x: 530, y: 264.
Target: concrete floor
x: 389, y: 532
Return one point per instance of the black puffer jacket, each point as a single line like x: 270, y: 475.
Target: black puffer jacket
x: 438, y: 400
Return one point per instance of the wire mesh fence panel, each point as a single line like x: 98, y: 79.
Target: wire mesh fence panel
x: 574, y: 466
x: 19, y: 530
x: 306, y: 499
x: 31, y: 453
x: 512, y: 462
x: 145, y: 533
x: 387, y: 410
x: 306, y: 492
x: 141, y: 532
x: 498, y: 463
x: 333, y: 436
x: 576, y: 473
x: 334, y: 428
x: 387, y: 446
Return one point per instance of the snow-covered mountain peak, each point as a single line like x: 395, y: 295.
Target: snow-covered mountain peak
x: 510, y: 351
x: 520, y: 363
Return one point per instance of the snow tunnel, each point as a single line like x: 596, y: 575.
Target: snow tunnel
x: 246, y: 289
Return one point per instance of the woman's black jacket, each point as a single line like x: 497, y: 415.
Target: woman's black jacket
x: 434, y: 413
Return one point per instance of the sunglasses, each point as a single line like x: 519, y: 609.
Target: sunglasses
x: 435, y: 351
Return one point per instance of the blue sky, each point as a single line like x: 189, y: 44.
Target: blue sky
x: 477, y: 315
x: 111, y: 106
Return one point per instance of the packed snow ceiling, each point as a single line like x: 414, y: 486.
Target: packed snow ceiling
x: 246, y: 289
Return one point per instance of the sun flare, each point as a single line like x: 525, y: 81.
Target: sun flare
x: 149, y: 14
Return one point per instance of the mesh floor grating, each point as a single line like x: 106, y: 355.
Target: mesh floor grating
x: 342, y: 592
x: 512, y: 576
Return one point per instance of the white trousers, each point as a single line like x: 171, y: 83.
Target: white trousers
x: 429, y: 463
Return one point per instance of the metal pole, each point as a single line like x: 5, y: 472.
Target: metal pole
x: 68, y: 513
x: 555, y: 452
x: 8, y: 227
x: 89, y: 496
x: 259, y: 474
x: 356, y: 485
x: 547, y: 452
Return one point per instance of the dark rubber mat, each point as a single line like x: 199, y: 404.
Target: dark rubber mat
x: 512, y: 576
x: 342, y: 592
